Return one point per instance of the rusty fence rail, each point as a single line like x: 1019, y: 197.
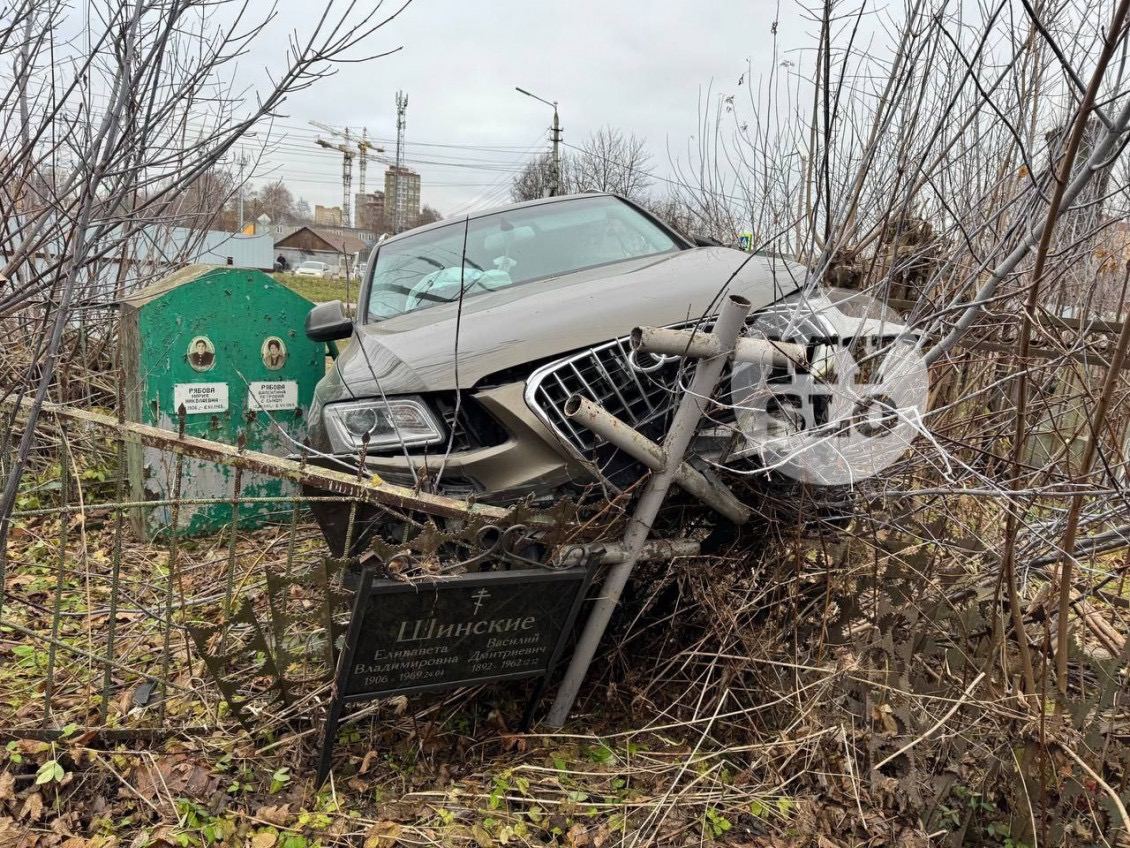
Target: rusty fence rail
x: 99, y: 629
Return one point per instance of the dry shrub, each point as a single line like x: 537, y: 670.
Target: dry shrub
x: 861, y: 676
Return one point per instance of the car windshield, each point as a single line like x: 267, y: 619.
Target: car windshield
x: 507, y: 249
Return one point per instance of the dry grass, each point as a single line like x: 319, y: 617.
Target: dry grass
x: 801, y: 690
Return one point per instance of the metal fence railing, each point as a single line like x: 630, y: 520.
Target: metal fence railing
x: 117, y: 633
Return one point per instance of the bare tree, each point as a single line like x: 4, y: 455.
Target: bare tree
x: 206, y: 199
x: 970, y: 167
x: 273, y: 200
x: 614, y: 162
x: 107, y: 133
x: 428, y: 215
x: 608, y: 161
x: 536, y: 179
x: 681, y: 215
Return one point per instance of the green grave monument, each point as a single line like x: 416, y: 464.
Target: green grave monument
x: 228, y: 345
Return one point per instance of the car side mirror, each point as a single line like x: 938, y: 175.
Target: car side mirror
x: 327, y: 322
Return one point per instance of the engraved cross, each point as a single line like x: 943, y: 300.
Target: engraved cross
x: 480, y: 597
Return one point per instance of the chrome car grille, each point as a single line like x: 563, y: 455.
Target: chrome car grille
x: 605, y: 375
x: 645, y: 396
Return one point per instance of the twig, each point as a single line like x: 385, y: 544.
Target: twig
x: 923, y: 737
x: 1106, y: 787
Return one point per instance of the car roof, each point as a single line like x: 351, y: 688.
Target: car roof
x: 494, y: 210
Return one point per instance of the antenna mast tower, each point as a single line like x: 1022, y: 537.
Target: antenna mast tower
x: 401, y: 183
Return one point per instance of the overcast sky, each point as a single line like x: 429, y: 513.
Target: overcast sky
x: 641, y: 67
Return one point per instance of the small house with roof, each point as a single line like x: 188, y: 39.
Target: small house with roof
x: 343, y: 252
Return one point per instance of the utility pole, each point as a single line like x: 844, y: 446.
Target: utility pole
x: 556, y: 153
x: 401, y: 184
x: 555, y: 136
x: 242, y: 162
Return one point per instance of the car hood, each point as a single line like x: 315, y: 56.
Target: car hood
x: 535, y: 321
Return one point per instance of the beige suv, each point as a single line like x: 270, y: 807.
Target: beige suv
x: 472, y: 333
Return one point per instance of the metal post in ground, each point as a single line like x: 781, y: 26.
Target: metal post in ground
x: 683, y: 426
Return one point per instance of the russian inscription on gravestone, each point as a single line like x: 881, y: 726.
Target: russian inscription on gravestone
x: 459, y: 631
x: 272, y: 396
x: 447, y: 632
x: 199, y: 397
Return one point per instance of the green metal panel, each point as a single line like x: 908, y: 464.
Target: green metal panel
x: 208, y: 338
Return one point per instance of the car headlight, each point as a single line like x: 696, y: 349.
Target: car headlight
x: 389, y: 423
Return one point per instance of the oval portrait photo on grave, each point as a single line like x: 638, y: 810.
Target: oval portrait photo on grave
x: 201, y: 353
x: 273, y: 352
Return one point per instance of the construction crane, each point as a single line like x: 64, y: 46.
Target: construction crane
x: 346, y: 176
x: 363, y: 148
x: 348, y: 151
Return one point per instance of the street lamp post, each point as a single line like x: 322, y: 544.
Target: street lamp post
x: 555, y: 135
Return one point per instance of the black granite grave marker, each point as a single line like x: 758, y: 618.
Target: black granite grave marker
x: 447, y: 632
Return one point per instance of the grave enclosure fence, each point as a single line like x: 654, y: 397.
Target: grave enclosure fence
x: 132, y: 638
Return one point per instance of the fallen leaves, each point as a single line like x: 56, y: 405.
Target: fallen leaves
x: 382, y: 834
x: 32, y: 809
x: 7, y: 786
x: 578, y: 836
x: 174, y: 775
x: 367, y: 761
x: 481, y: 837
x: 277, y: 815
x: 9, y: 831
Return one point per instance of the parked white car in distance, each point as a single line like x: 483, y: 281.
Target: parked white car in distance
x: 312, y: 269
